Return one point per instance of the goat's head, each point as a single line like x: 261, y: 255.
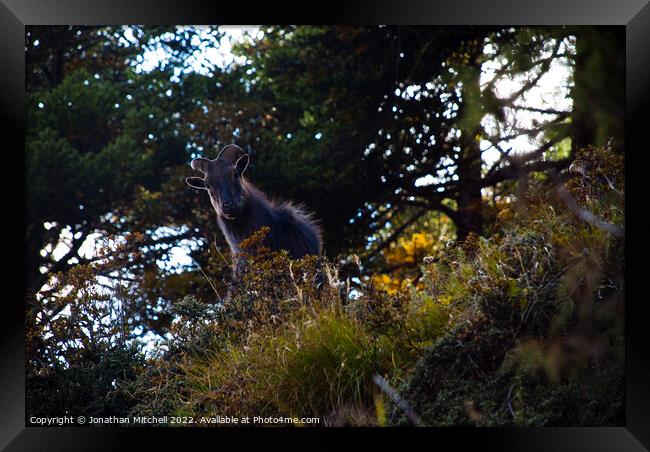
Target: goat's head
x: 222, y: 178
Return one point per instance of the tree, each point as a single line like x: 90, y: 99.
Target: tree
x: 348, y: 139
x: 375, y: 126
x: 599, y: 91
x: 103, y: 138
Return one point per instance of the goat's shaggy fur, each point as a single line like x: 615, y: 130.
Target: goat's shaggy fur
x: 242, y: 209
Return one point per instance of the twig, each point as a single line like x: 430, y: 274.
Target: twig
x: 398, y: 400
x: 208, y: 279
x: 395, y: 234
x: 215, y: 247
x: 548, y: 111
x: 510, y: 402
x: 295, y: 284
x: 585, y: 214
x: 546, y: 63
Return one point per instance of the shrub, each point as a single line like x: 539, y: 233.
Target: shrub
x: 539, y: 340
x: 279, y: 346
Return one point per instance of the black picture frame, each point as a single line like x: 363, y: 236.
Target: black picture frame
x: 634, y: 15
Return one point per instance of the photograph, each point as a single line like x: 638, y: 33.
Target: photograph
x: 325, y: 226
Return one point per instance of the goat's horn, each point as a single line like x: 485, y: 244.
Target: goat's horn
x: 230, y: 153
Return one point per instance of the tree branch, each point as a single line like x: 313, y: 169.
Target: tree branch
x: 396, y: 233
x: 546, y: 64
x: 511, y: 172
x: 549, y: 111
x: 433, y: 206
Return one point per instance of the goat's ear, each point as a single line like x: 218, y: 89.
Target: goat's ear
x: 196, y: 182
x: 200, y: 164
x: 242, y: 163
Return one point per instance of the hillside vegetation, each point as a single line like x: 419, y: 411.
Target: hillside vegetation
x: 522, y: 328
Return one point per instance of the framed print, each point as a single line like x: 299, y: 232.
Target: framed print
x: 347, y: 224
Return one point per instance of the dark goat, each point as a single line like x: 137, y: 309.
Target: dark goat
x: 243, y: 209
